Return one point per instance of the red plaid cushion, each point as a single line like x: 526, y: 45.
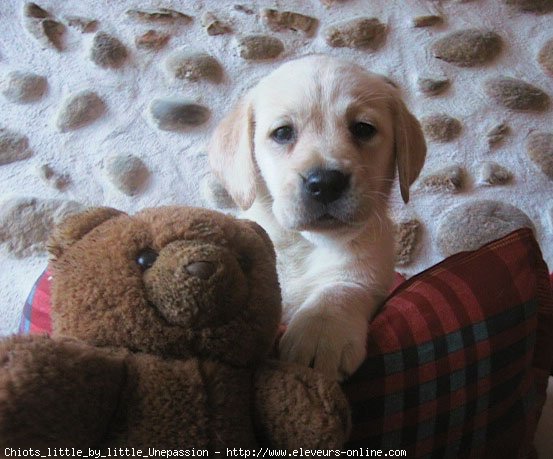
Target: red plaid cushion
x: 459, y: 357
x: 36, y: 312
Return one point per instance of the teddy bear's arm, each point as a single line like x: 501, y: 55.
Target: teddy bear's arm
x: 298, y: 407
x: 56, y: 392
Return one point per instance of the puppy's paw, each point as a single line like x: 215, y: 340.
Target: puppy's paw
x: 332, y: 344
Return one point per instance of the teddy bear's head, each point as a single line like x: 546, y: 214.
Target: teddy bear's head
x: 173, y: 281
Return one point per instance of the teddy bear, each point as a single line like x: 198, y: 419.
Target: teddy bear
x: 163, y: 323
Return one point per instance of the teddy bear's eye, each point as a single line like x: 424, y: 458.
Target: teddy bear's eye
x: 146, y: 258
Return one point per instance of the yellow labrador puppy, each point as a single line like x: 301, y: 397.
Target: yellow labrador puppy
x: 310, y: 154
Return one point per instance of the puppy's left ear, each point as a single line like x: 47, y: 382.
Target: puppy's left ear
x: 230, y: 153
x: 409, y: 146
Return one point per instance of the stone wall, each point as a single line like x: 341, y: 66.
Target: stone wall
x: 111, y: 103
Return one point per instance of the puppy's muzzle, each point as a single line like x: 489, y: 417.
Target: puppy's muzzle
x: 325, y: 185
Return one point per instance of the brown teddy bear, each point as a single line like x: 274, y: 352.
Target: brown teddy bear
x: 163, y: 322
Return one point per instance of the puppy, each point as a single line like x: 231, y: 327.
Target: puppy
x: 310, y: 154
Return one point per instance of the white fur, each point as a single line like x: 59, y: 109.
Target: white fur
x: 333, y: 277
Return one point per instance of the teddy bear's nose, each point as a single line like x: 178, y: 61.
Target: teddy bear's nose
x: 202, y: 269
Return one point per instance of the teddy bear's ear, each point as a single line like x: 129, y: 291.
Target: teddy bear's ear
x: 75, y: 226
x: 261, y: 232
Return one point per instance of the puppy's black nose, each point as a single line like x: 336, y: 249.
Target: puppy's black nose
x: 325, y: 185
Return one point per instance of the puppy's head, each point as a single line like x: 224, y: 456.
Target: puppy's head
x: 319, y: 139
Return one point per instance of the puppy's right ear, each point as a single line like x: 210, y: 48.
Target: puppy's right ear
x: 75, y: 226
x: 410, y: 146
x: 231, y: 153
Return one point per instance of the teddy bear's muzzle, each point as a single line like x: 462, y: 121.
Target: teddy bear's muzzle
x: 194, y: 284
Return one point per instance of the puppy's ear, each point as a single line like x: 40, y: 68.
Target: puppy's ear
x: 75, y: 226
x: 231, y: 153
x: 409, y: 145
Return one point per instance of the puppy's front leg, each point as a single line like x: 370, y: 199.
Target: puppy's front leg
x: 329, y: 330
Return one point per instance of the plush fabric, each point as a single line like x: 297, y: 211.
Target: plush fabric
x: 458, y: 356
x: 162, y: 324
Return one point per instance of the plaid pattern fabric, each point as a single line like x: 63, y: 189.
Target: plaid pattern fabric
x: 459, y: 357
x: 36, y: 312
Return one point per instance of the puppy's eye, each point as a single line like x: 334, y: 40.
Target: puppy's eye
x: 284, y: 135
x: 146, y: 258
x: 362, y: 131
